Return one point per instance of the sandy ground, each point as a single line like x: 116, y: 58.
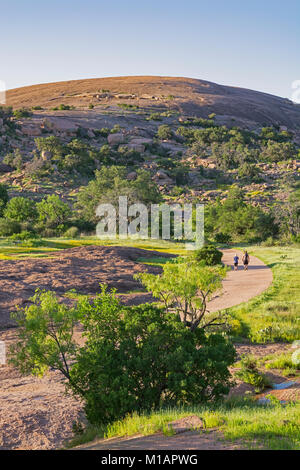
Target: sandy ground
x: 189, y: 440
x: 35, y: 413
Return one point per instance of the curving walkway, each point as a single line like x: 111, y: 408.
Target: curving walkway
x: 240, y: 286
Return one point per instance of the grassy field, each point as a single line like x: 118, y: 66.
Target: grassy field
x: 274, y: 426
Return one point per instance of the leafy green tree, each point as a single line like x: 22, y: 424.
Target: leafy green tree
x: 45, y: 336
x: 20, y: 209
x: 109, y: 184
x: 9, y: 227
x: 242, y: 221
x: 186, y: 287
x: 52, y: 211
x: 278, y: 151
x: 133, y: 359
x: 3, y: 198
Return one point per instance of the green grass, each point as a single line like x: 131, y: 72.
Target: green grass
x: 283, y: 362
x: 8, y: 250
x: 273, y: 316
x: 274, y: 426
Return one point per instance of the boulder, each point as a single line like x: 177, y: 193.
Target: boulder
x: 31, y: 130
x: 60, y: 125
x: 132, y: 175
x: 136, y: 147
x: 115, y: 139
x: 90, y: 134
x: 141, y: 141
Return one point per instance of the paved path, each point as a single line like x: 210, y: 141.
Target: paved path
x: 240, y: 286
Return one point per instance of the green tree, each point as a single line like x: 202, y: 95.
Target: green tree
x: 52, y: 211
x: 109, y: 184
x: 186, y: 287
x: 3, y: 198
x: 133, y: 359
x: 20, y: 209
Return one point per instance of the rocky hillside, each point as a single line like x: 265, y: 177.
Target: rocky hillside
x: 185, y: 95
x: 195, y: 139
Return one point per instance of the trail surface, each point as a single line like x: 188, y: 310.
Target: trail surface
x: 240, y: 286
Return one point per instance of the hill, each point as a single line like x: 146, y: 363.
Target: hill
x: 186, y: 139
x: 188, y: 96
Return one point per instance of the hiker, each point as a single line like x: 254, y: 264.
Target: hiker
x: 246, y: 259
x: 236, y: 262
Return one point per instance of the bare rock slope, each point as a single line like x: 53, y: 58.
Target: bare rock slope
x: 189, y: 96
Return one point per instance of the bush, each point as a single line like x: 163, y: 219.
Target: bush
x: 208, y: 255
x: 22, y: 113
x: 72, y: 232
x: 3, y: 198
x: 250, y: 374
x: 9, y: 227
x: 164, y: 132
x: 134, y: 359
x: 24, y: 235
x: 221, y: 237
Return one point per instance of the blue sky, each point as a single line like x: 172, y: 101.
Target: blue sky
x: 252, y: 44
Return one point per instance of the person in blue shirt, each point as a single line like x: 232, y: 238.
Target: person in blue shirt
x: 235, y: 262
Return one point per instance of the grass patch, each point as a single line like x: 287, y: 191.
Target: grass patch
x: 273, y: 426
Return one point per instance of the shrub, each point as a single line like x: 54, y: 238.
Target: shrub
x: 72, y: 232
x: 209, y: 255
x: 250, y: 374
x: 164, y: 132
x: 221, y: 237
x: 24, y: 235
x: 3, y: 198
x: 134, y: 359
x: 22, y: 113
x: 9, y: 227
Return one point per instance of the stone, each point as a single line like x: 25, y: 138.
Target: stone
x: 132, y: 175
x: 115, y: 139
x: 2, y: 353
x: 161, y: 174
x: 91, y: 134
x: 31, y: 130
x: 141, y: 141
x: 136, y: 147
x: 60, y: 125
x: 189, y: 423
